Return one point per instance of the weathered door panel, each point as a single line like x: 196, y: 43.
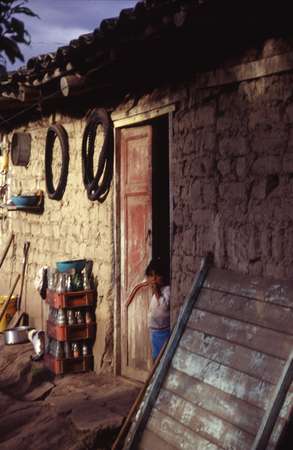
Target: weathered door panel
x: 136, y: 251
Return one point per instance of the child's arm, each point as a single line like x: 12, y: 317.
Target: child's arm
x: 134, y: 291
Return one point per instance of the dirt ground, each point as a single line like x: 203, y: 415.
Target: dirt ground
x: 71, y: 412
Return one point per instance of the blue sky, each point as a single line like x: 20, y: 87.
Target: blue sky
x: 63, y: 20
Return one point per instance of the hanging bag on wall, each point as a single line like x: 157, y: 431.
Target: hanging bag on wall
x: 56, y: 131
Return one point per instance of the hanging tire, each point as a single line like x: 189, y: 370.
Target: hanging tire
x: 54, y: 132
x: 97, y: 185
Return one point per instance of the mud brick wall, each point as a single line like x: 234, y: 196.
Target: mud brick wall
x: 73, y: 228
x: 232, y: 177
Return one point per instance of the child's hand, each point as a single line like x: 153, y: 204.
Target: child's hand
x: 156, y: 290
x: 156, y: 283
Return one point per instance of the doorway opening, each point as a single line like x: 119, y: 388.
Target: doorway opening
x: 161, y: 192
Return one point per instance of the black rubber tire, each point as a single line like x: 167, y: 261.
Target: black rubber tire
x: 56, y: 131
x: 97, y: 185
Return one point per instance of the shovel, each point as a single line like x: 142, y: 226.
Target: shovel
x: 19, y: 315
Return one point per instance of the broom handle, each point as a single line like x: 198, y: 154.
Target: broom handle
x: 6, y: 249
x: 25, y: 257
x: 4, y: 307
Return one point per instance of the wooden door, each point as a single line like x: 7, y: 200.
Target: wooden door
x: 136, y: 247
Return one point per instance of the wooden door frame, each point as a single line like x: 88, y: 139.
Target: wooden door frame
x: 137, y: 119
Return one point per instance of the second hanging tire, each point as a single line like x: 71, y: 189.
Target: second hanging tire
x: 97, y: 185
x: 54, y: 132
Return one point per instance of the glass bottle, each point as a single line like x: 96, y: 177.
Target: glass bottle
x: 61, y: 283
x: 75, y: 350
x: 59, y: 350
x: 71, y: 317
x: 85, y: 281
x: 79, y: 317
x: 67, y: 350
x: 61, y: 318
x: 84, y: 349
x: 88, y: 317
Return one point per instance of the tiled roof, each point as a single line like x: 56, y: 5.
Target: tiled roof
x: 92, y: 50
x: 149, y: 43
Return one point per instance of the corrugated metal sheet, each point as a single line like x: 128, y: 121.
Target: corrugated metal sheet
x: 225, y: 369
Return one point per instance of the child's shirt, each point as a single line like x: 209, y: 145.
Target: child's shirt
x: 159, y: 310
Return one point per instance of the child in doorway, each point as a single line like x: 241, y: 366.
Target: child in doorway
x: 159, y: 309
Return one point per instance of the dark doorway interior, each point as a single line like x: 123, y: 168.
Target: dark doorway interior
x: 160, y: 191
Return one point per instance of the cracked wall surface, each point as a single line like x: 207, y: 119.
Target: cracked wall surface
x: 232, y: 174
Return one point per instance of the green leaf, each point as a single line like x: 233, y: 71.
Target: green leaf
x: 17, y: 26
x: 11, y: 49
x: 24, y: 10
x: 12, y: 30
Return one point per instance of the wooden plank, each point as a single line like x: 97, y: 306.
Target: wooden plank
x: 277, y: 401
x: 215, y: 401
x: 151, y: 441
x: 229, y: 380
x: 176, y: 434
x: 221, y: 404
x: 257, y: 338
x: 202, y: 422
x: 268, y: 315
x: 245, y: 71
x: 276, y: 433
x: 153, y: 390
x: 141, y: 117
x: 267, y: 290
x: 123, y: 430
x: 288, y: 404
x: 255, y: 364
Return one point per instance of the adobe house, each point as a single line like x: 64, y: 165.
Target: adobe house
x: 199, y: 94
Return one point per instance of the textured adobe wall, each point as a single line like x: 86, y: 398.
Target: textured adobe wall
x: 72, y: 228
x: 232, y: 174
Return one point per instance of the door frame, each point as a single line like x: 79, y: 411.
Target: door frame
x: 136, y: 119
